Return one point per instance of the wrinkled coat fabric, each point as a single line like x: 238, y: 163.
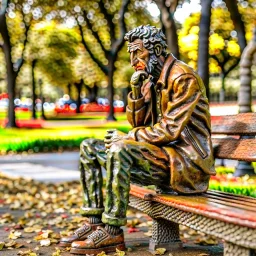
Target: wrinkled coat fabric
x: 174, y: 114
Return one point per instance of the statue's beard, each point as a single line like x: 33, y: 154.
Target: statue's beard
x: 154, y: 66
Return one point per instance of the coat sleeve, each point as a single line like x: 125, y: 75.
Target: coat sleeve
x: 183, y: 96
x: 136, y: 110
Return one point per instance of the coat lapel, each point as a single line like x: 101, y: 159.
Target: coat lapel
x: 165, y: 72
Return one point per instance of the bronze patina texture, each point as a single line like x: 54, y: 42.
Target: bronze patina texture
x: 169, y: 145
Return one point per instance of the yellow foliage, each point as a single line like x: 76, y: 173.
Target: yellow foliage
x: 193, y: 55
x: 217, y: 43
x: 189, y: 42
x: 233, y: 48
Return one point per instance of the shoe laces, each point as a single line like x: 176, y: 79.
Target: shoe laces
x: 97, y: 235
x: 80, y: 231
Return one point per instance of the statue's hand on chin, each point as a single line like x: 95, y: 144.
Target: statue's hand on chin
x: 136, y: 82
x: 138, y: 77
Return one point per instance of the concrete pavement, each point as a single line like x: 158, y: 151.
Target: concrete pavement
x: 46, y: 167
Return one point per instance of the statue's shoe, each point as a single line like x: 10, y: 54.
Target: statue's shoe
x: 79, y: 235
x: 100, y: 240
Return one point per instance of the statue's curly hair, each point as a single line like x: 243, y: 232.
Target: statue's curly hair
x: 150, y: 35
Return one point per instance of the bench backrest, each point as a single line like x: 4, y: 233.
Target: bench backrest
x: 234, y: 146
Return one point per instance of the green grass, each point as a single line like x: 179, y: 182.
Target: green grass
x: 21, y: 115
x: 241, y: 186
x: 43, y: 140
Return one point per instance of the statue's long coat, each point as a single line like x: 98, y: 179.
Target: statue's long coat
x: 175, y: 117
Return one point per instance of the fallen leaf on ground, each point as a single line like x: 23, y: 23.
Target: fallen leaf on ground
x: 57, y: 252
x: 206, y: 241
x: 160, y: 251
x: 101, y: 254
x: 119, y: 253
x: 29, y: 230
x: 149, y: 233
x: 45, y: 242
x: 27, y: 253
x: 14, y: 235
x: 17, y: 245
x: 132, y: 230
x: 10, y: 244
x: 2, y: 245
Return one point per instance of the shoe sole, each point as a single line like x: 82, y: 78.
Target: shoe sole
x: 96, y: 251
x: 63, y: 244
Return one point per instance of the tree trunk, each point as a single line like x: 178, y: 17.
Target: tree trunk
x: 69, y: 89
x: 169, y: 28
x: 40, y: 82
x: 238, y: 23
x: 203, y: 49
x: 78, y: 100
x: 33, y: 90
x: 111, y: 116
x: 11, y: 74
x: 92, y: 92
x: 222, y: 89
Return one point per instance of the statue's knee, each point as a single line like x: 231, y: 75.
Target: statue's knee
x: 87, y: 150
x: 86, y: 143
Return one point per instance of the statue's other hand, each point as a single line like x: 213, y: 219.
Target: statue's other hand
x: 138, y: 76
x: 111, y: 137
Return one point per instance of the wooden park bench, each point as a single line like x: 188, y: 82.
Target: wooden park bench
x: 229, y: 217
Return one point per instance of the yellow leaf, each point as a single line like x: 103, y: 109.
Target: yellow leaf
x: 160, y: 251
x: 29, y: 230
x: 27, y: 253
x: 57, y: 252
x: 101, y: 254
x: 119, y: 253
x: 14, y: 235
x: 17, y: 245
x: 10, y: 244
x: 1, y: 245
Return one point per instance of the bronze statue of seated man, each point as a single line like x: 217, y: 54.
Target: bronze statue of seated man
x: 169, y: 145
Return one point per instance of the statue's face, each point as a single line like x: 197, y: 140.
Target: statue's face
x: 139, y: 55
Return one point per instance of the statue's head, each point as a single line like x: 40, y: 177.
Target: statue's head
x: 147, y: 48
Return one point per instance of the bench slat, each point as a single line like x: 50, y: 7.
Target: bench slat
x: 241, y: 198
x: 231, y: 202
x: 200, y: 205
x: 237, y: 149
x: 240, y: 124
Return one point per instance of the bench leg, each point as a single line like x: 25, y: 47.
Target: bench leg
x: 235, y: 250
x: 165, y: 235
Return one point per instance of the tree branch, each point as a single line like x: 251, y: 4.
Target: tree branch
x: 109, y: 19
x: 238, y: 22
x: 216, y: 58
x: 173, y: 6
x: 102, y: 66
x: 118, y: 44
x: 231, y: 67
x: 168, y: 25
x: 95, y: 34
